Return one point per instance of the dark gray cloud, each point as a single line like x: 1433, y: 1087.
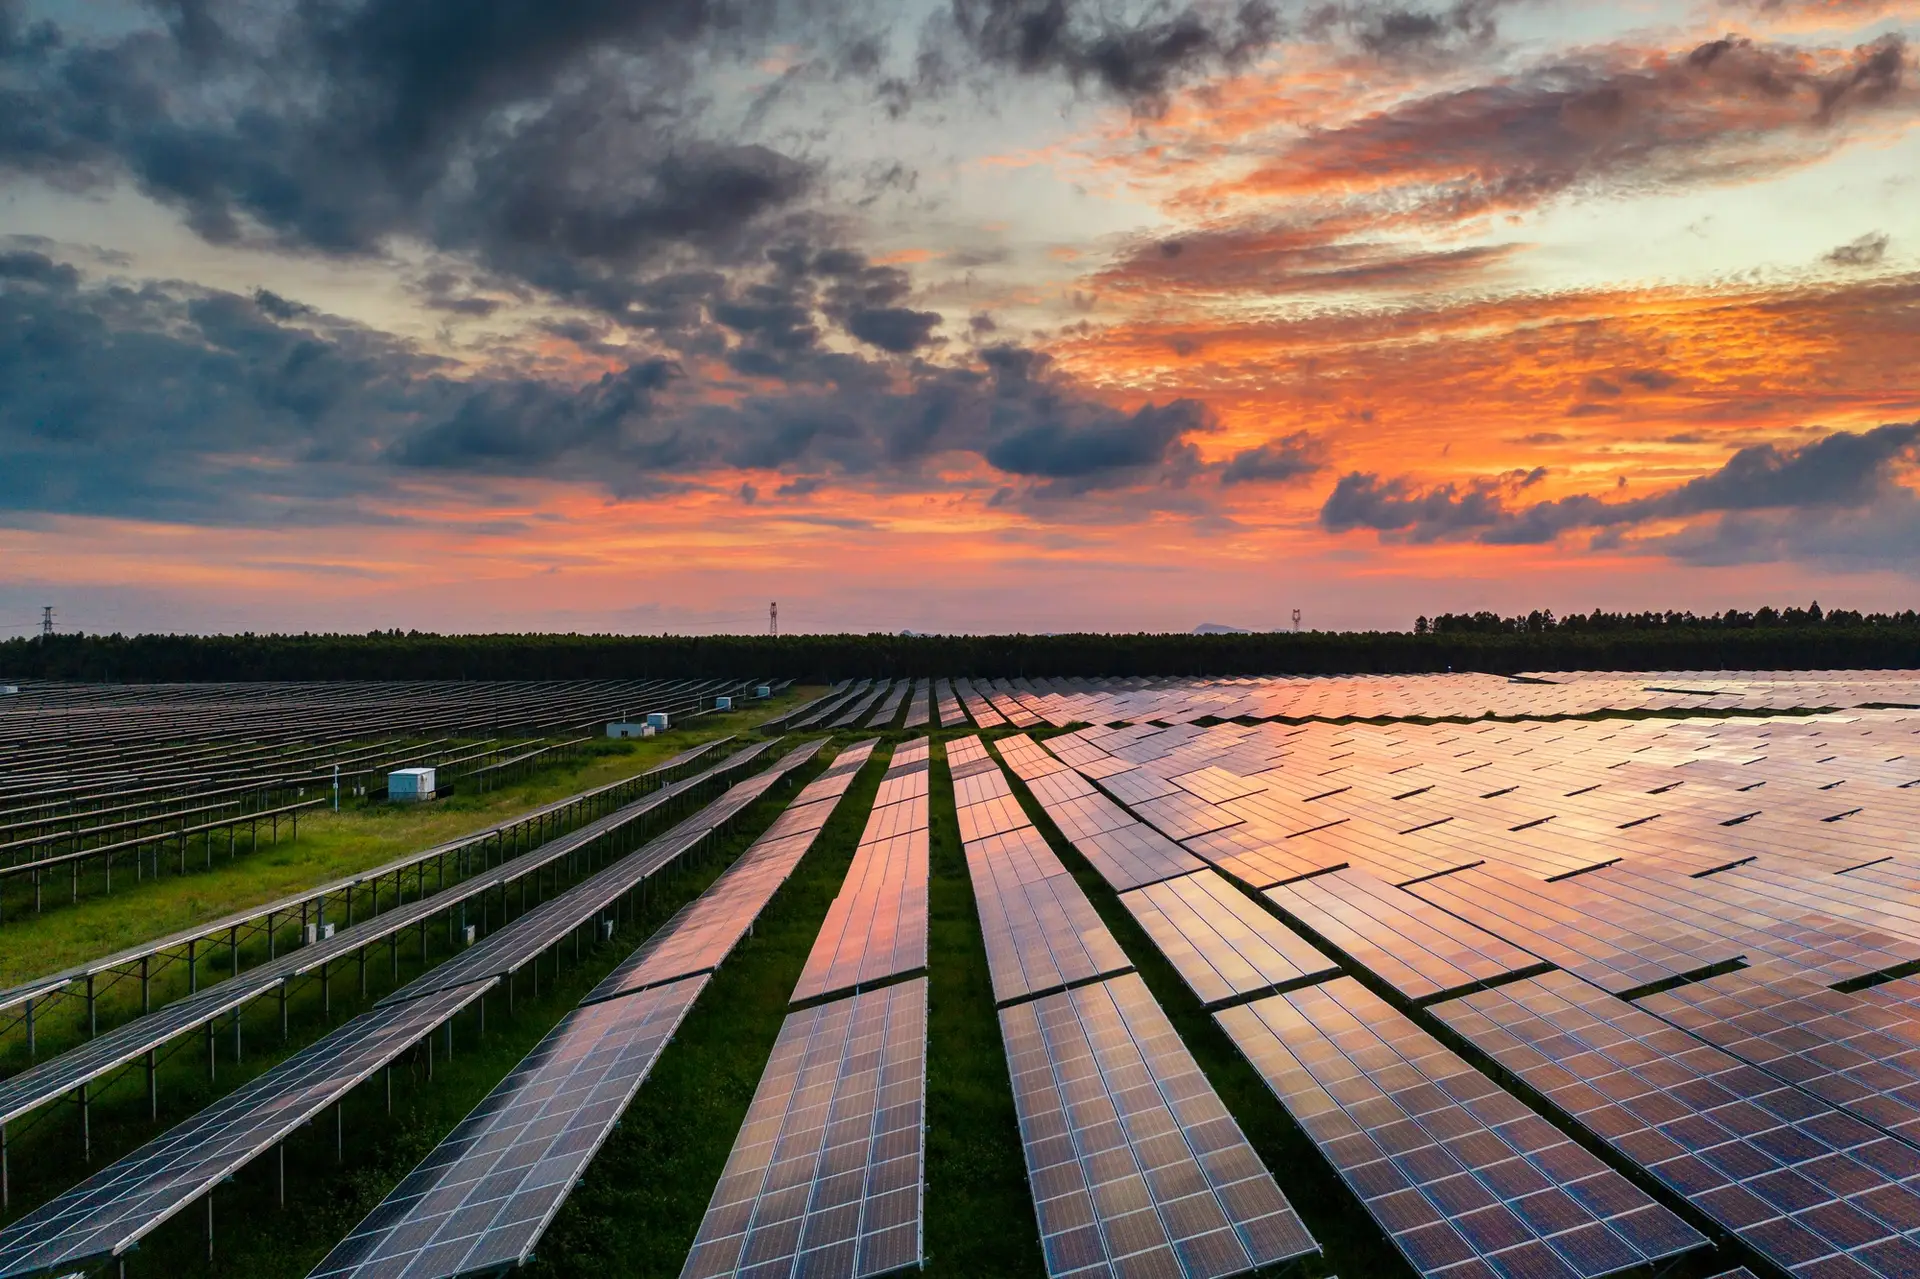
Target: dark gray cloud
x: 1137, y: 53
x: 1399, y: 31
x: 174, y: 402
x: 1866, y: 251
x: 1290, y: 457
x: 1844, y: 480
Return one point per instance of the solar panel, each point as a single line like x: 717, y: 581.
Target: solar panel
x: 1260, y: 859
x: 1418, y: 949
x: 34, y: 1087
x: 112, y: 1210
x: 1182, y: 816
x: 484, y: 1197
x: 1135, y: 1165
x: 825, y: 1178
x: 512, y: 947
x: 1040, y: 930
x: 1450, y: 1166
x: 1858, y: 1054
x: 1573, y: 928
x: 1804, y: 1185
x: 876, y: 927
x: 1223, y: 946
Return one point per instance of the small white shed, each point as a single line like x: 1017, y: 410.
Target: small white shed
x: 657, y: 720
x: 407, y: 785
x: 629, y: 728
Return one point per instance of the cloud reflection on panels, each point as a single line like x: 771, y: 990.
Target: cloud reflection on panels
x: 1465, y: 1180
x: 825, y: 1177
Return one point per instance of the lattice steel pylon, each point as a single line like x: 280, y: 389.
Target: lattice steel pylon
x: 773, y: 618
x: 46, y: 621
x: 1296, y: 619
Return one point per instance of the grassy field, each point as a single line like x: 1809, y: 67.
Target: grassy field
x: 636, y: 1210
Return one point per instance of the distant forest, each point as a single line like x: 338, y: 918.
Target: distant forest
x: 1792, y: 638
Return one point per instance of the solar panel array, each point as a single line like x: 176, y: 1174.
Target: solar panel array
x: 1810, y: 1188
x: 1135, y: 1165
x: 486, y: 1194
x: 1126, y: 852
x: 1062, y: 702
x: 876, y: 928
x: 58, y: 1076
x: 825, y: 1180
x: 705, y: 931
x: 1041, y: 932
x: 484, y: 1197
x: 113, y: 1209
x: 1463, y: 1179
x: 1223, y: 946
x: 1518, y: 880
x: 1687, y: 939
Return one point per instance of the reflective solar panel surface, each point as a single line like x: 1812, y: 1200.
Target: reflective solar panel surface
x: 1135, y: 1165
x: 876, y: 927
x: 705, y: 930
x: 1223, y: 945
x: 1808, y: 1187
x: 111, y: 1210
x: 486, y: 1194
x: 1463, y: 1178
x: 1040, y: 930
x: 1418, y: 949
x: 825, y: 1178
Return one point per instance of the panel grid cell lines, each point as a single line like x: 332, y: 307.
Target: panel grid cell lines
x: 1127, y: 853
x: 877, y: 926
x: 484, y: 1196
x: 115, y: 1208
x: 1813, y: 1190
x: 1464, y: 1179
x: 825, y: 1177
x: 1417, y: 948
x: 1041, y: 932
x: 705, y: 931
x: 1223, y: 946
x: 1135, y: 1165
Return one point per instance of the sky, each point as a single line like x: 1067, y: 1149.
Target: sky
x: 953, y: 315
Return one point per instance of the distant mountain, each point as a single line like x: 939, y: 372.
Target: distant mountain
x: 1215, y: 628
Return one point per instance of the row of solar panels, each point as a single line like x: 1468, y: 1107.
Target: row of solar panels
x: 1786, y: 1131
x: 55, y: 1078
x: 1525, y: 1201
x: 1134, y: 1163
x: 113, y: 1210
x: 528, y: 829
x: 826, y: 1176
x: 485, y: 1196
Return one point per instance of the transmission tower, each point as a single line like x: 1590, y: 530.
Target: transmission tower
x: 46, y: 621
x: 1296, y: 619
x: 773, y: 618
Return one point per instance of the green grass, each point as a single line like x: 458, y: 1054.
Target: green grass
x: 331, y: 845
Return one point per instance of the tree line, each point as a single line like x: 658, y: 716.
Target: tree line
x: 1767, y: 639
